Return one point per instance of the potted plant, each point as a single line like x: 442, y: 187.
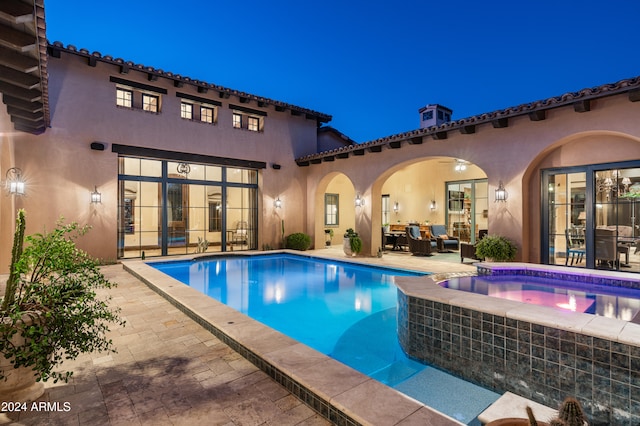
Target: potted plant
x: 495, y: 248
x: 328, y: 236
x: 352, y: 243
x: 50, y: 310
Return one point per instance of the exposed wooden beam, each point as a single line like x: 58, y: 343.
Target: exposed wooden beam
x: 634, y: 95
x: 152, y: 77
x: 32, y: 95
x: 395, y: 144
x: 358, y: 152
x: 202, y: 89
x: 30, y: 116
x: 415, y: 141
x: 440, y: 136
x: 538, y: 115
x: 316, y: 161
x: 328, y: 158
x: 224, y: 95
x: 375, y: 148
x: 28, y: 123
x: 280, y: 108
x: 295, y: 113
x: 17, y: 78
x: 124, y: 69
x: 262, y: 104
x: 92, y: 61
x: 178, y: 83
x: 500, y: 123
x: 16, y: 11
x: 468, y: 130
x: 22, y: 104
x: 302, y: 163
x: 582, y: 105
x: 16, y: 40
x: 342, y: 155
x: 14, y: 60
x: 29, y: 129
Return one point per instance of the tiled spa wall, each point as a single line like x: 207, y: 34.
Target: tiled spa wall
x: 540, y: 363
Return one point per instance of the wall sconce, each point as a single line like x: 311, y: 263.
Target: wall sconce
x: 96, y: 197
x: 359, y: 201
x: 432, y: 206
x: 277, y: 203
x: 14, y: 181
x: 396, y: 207
x: 501, y: 193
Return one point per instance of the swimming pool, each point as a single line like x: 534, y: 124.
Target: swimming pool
x: 611, y: 302
x: 343, y: 310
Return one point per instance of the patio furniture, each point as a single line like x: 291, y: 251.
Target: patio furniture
x: 241, y: 233
x: 575, y: 247
x: 468, y: 250
x: 445, y: 243
x: 417, y: 245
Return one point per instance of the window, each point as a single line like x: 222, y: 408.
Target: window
x: 331, y: 209
x: 253, y: 124
x: 124, y: 98
x: 237, y: 121
x: 427, y: 115
x: 215, y: 216
x: 150, y: 103
x: 186, y: 111
x: 206, y: 114
x: 386, y: 202
x: 440, y: 115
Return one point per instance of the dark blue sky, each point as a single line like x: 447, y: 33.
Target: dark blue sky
x: 370, y: 64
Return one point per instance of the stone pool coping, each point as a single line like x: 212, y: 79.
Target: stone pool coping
x: 336, y: 391
x: 592, y: 325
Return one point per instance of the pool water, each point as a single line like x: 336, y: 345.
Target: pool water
x: 611, y: 302
x: 343, y: 310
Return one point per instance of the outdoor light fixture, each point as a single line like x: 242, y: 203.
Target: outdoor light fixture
x: 460, y: 166
x: 277, y: 203
x: 359, y: 201
x: 96, y: 197
x: 14, y: 181
x: 501, y: 193
x: 432, y: 206
x: 396, y: 207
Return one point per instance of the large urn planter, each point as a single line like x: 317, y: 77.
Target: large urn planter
x: 20, y: 383
x: 346, y: 247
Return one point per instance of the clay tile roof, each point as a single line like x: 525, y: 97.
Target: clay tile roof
x: 630, y: 85
x: 59, y: 47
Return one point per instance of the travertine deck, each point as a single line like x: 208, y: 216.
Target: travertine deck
x: 168, y: 371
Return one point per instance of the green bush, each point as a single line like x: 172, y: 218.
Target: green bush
x: 298, y: 241
x: 354, y: 240
x: 496, y: 248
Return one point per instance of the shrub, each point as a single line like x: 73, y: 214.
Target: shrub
x: 496, y: 247
x: 298, y: 241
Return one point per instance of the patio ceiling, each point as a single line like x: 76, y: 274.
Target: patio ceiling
x: 23, y: 64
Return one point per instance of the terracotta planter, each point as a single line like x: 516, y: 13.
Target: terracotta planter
x: 20, y: 384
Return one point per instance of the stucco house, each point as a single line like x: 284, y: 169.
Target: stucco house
x: 157, y: 163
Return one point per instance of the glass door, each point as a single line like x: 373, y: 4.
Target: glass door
x: 567, y: 218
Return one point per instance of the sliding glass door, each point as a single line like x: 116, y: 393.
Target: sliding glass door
x: 590, y: 216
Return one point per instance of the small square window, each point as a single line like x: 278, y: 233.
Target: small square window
x: 440, y: 115
x: 186, y: 110
x: 206, y: 114
x: 427, y: 115
x: 237, y: 121
x: 253, y: 124
x: 124, y: 98
x: 149, y: 103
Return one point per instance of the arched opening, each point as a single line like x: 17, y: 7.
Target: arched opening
x: 584, y: 203
x: 445, y: 191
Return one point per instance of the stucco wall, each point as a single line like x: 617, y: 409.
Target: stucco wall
x: 62, y: 170
x: 508, y: 154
